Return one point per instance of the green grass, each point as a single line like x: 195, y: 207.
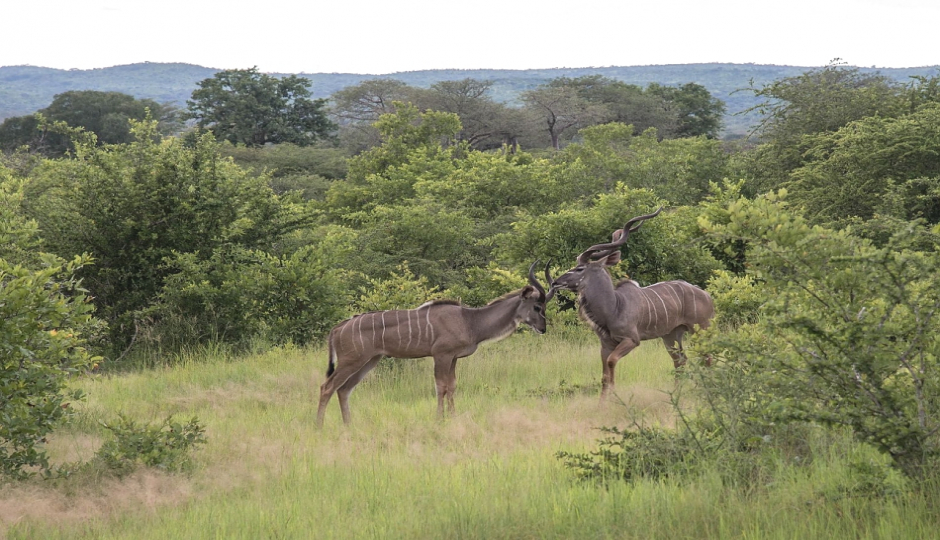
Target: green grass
x: 398, y: 472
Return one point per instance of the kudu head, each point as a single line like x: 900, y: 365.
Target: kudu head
x: 593, y: 261
x: 531, y: 310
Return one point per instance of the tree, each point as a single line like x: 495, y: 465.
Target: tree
x: 562, y: 110
x: 696, y: 111
x: 846, y: 335
x: 133, y: 206
x: 413, y: 143
x: 486, y: 124
x: 678, y: 170
x: 45, y: 322
x: 246, y: 107
x: 818, y: 101
x: 873, y: 166
x: 626, y: 103
x: 106, y: 114
x: 359, y: 106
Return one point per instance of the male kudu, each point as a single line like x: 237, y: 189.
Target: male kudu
x: 625, y: 314
x: 442, y: 329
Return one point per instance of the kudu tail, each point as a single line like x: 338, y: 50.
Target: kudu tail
x: 331, y: 367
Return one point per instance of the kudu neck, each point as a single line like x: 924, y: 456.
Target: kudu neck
x: 496, y: 318
x: 597, y: 293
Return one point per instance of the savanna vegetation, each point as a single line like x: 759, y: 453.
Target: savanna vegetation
x: 165, y: 296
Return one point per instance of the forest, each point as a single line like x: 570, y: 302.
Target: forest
x: 160, y: 262
x: 26, y: 89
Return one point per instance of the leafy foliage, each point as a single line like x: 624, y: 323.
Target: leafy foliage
x: 237, y: 294
x: 402, y: 290
x: 45, y: 323
x: 633, y: 454
x: 818, y: 101
x: 876, y: 165
x: 244, y: 106
x: 847, y: 335
x: 678, y: 170
x: 167, y: 446
x: 106, y: 114
x: 664, y: 250
x: 134, y: 205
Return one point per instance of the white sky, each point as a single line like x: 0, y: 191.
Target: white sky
x: 387, y: 36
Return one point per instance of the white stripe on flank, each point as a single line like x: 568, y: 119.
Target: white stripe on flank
x: 383, y: 330
x: 678, y: 299
x: 398, y: 326
x: 361, y: 341
x: 430, y: 326
x: 655, y: 310
x: 349, y: 323
x: 334, y: 358
x: 418, y: 324
x: 408, y: 316
x: 664, y: 307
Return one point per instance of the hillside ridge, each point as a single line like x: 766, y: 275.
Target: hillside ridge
x: 25, y: 89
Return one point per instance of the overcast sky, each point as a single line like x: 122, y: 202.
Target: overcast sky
x: 387, y: 36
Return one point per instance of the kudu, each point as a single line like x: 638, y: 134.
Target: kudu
x: 442, y: 329
x: 625, y: 314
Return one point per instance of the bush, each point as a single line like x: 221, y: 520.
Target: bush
x: 652, y: 453
x: 45, y: 317
x: 167, y: 446
x: 239, y: 294
x: 847, y: 335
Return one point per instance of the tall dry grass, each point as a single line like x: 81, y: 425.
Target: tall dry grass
x: 399, y: 472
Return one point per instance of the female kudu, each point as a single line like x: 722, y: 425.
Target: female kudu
x: 444, y: 330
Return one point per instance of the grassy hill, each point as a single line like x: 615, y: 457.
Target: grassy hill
x: 25, y: 89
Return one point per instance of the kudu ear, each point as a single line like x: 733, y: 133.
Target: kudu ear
x: 529, y: 290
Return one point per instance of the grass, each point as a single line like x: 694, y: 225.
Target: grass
x: 398, y: 472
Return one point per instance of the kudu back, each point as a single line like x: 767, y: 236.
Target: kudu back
x: 625, y: 314
x: 444, y: 330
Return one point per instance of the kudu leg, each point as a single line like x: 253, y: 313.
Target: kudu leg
x: 605, y: 377
x: 622, y: 349
x: 345, y: 369
x: 445, y: 384
x: 452, y: 387
x: 673, y: 342
x: 350, y: 384
x: 674, y: 348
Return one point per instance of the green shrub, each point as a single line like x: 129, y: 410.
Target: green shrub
x: 239, y: 294
x: 645, y: 452
x: 167, y: 446
x: 847, y: 335
x: 45, y: 318
x: 737, y: 298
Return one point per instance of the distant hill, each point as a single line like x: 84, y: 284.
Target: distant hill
x: 26, y: 89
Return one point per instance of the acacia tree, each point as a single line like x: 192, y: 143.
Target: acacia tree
x: 625, y: 103
x: 561, y: 110
x: 486, y: 123
x: 359, y: 106
x: 244, y: 106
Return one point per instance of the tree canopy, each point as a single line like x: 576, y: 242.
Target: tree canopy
x: 244, y: 106
x: 106, y: 114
